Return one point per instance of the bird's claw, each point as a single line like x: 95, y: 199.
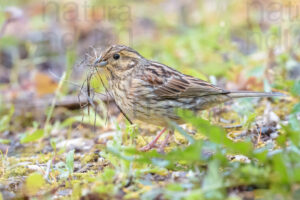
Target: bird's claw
x: 148, y: 147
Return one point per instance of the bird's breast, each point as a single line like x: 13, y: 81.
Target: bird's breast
x: 123, y: 97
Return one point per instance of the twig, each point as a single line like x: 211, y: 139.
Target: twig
x: 258, y: 139
x: 48, y: 170
x: 233, y: 126
x: 49, y: 115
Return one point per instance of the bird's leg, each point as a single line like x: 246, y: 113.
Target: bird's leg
x: 165, y: 141
x: 153, y: 142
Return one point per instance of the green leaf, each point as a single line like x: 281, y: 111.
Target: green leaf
x: 182, y: 132
x: 53, y: 144
x: 281, y: 140
x: 296, y: 174
x: 293, y: 133
x: 34, y: 183
x: 261, y: 154
x: 4, y: 141
x: 213, y: 181
x: 296, y: 88
x: 250, y: 119
x: 8, y: 41
x: 190, y: 155
x: 91, y: 118
x: 280, y: 168
x: 70, y: 161
x: 5, y: 120
x: 108, y: 175
x: 175, y: 187
x: 216, y: 134
x: 31, y: 137
x: 244, y: 147
x: 70, y: 61
x: 296, y: 108
x: 267, y: 86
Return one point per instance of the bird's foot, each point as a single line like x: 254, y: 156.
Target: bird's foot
x: 148, y: 147
x: 153, y: 144
x: 161, y: 148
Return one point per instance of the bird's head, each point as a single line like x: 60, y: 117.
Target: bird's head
x: 118, y: 60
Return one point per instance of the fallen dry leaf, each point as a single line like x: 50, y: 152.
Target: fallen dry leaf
x: 44, y: 84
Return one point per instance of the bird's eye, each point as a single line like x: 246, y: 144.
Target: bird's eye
x: 116, y: 56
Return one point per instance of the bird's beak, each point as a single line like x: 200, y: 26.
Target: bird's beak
x: 102, y: 63
x: 99, y: 63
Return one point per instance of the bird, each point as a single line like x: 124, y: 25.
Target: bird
x: 150, y: 92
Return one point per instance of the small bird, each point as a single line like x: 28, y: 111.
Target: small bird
x: 150, y: 92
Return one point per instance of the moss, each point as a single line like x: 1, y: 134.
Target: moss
x: 44, y: 158
x: 17, y: 171
x: 92, y: 157
x: 84, y: 176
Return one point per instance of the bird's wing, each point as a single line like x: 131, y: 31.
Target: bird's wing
x: 169, y: 83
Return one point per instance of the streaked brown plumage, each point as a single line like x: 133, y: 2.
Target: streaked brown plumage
x: 150, y: 92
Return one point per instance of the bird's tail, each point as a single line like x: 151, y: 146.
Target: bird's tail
x: 240, y: 94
